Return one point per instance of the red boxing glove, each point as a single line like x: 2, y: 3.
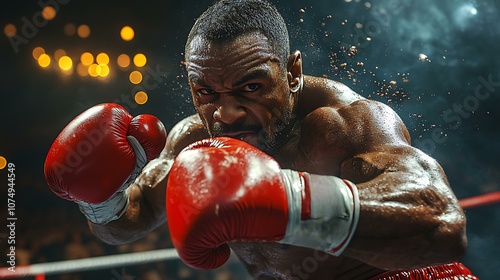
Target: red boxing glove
x: 219, y: 191
x: 98, y: 155
x: 222, y: 189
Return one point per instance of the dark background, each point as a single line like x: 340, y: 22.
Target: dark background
x: 436, y: 97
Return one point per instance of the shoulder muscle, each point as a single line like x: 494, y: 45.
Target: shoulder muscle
x: 184, y: 133
x: 359, y: 127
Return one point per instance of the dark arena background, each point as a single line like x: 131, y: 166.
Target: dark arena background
x: 437, y: 63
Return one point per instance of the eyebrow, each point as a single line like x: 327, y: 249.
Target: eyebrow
x: 257, y: 74
x: 195, y: 79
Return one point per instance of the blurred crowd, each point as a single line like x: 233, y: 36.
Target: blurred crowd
x: 56, y: 232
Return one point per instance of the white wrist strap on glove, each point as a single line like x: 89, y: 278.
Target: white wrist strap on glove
x: 113, y: 208
x: 334, y: 212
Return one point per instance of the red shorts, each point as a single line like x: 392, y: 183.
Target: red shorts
x: 453, y: 271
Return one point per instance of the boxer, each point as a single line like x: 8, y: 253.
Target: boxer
x: 300, y: 176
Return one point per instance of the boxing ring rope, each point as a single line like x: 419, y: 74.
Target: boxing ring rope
x: 121, y: 260
x: 480, y: 200
x: 95, y: 263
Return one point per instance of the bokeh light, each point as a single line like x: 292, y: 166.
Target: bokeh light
x: 82, y: 70
x: 135, y: 77
x: 83, y: 31
x: 104, y: 70
x: 123, y: 60
x: 10, y: 30
x: 44, y: 60
x: 102, y: 58
x: 65, y: 62
x: 3, y: 162
x: 94, y: 70
x: 59, y: 53
x: 140, y: 60
x: 37, y: 51
x: 86, y: 58
x: 127, y: 33
x: 49, y: 13
x: 70, y: 29
x: 141, y: 97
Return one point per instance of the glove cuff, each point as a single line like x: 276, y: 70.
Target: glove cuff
x: 332, y: 218
x: 107, y: 211
x: 113, y: 208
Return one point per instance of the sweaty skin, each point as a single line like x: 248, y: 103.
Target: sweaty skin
x: 409, y: 215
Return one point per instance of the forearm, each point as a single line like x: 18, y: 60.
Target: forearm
x: 145, y: 210
x: 139, y: 219
x: 409, y: 217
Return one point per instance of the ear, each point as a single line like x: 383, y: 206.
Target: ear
x: 294, y: 72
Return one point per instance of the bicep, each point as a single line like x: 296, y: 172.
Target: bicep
x: 380, y: 149
x: 406, y: 201
x: 331, y: 136
x: 401, y: 176
x: 396, y: 180
x: 383, y: 161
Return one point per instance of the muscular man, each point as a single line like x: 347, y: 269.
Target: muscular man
x: 300, y: 176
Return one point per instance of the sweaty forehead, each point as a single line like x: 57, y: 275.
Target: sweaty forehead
x: 245, y: 51
x: 201, y: 45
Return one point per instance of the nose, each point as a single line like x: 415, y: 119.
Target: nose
x: 229, y: 110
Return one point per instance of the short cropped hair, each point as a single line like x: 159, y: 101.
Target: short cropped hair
x: 227, y: 19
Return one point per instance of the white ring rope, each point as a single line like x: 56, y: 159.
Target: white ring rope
x: 94, y: 263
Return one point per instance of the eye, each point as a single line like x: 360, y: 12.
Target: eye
x: 251, y: 87
x: 206, y: 91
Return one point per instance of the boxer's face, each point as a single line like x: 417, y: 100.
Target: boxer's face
x: 239, y: 89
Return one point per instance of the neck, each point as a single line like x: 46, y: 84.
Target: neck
x: 289, y: 131
x: 291, y: 123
